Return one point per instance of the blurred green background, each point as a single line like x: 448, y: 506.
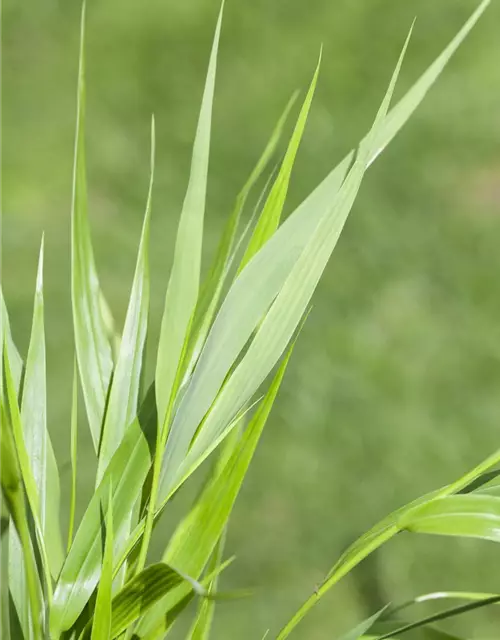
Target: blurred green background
x: 394, y: 387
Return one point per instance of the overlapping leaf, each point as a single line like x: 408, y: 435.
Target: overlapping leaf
x: 183, y: 286
x: 92, y: 339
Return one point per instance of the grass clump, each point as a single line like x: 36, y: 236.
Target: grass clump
x: 221, y: 340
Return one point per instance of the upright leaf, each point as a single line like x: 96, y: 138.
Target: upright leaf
x: 11, y: 479
x: 15, y: 359
x: 123, y: 397
x: 197, y: 535
x: 93, y: 349
x: 101, y: 624
x: 258, y: 284
x: 277, y: 327
x: 73, y: 454
x: 36, y: 436
x: 13, y: 416
x: 127, y: 470
x: 271, y: 213
x: 212, y: 288
x: 183, y: 286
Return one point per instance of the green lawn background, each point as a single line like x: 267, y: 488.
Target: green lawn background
x: 394, y: 387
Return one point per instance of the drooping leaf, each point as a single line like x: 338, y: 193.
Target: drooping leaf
x: 273, y: 208
x: 123, y: 396
x: 469, y: 515
x: 183, y: 286
x: 101, y: 623
x: 143, y: 591
x: 93, y: 349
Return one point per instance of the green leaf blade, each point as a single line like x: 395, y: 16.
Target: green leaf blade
x: 124, y: 393
x: 183, y: 286
x: 94, y: 354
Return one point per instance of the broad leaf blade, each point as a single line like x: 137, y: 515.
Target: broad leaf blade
x: 123, y: 397
x: 91, y: 330
x: 183, y: 286
x: 101, y: 624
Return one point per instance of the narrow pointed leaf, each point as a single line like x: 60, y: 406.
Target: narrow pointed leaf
x: 278, y: 326
x: 197, y: 535
x: 183, y: 286
x: 363, y: 627
x: 258, y: 284
x: 271, y: 213
x: 94, y: 354
x: 15, y: 360
x: 101, y: 625
x: 36, y: 437
x: 73, y: 454
x: 143, y: 591
x: 212, y: 289
x: 123, y: 397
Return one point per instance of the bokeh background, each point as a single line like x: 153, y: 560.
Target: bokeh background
x: 394, y: 388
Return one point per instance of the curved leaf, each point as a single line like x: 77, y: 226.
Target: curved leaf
x: 101, y: 624
x: 469, y: 515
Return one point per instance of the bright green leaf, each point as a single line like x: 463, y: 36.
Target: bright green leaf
x: 94, y: 354
x: 183, y: 286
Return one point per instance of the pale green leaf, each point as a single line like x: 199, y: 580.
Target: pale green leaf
x: 258, y: 284
x: 123, y: 396
x: 183, y: 286
x: 212, y: 288
x: 94, y: 354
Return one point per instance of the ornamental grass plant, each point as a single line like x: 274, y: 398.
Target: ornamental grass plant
x: 225, y: 343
